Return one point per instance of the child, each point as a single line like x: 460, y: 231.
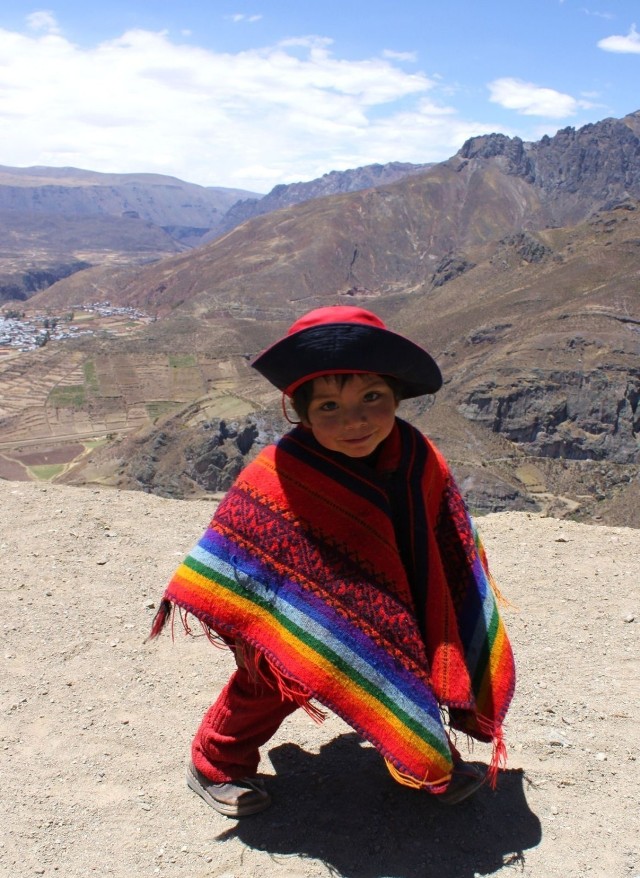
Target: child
x: 342, y: 567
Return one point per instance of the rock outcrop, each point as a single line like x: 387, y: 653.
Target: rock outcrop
x: 576, y: 171
x: 571, y: 415
x: 215, y: 462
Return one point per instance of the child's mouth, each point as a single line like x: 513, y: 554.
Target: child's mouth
x: 359, y: 439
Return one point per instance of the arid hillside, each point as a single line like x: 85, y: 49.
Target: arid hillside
x: 395, y: 238
x: 59, y: 221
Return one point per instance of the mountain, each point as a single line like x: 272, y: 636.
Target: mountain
x: 67, y: 219
x: 515, y: 264
x: 183, y: 209
x: 574, y: 172
x: 399, y: 237
x: 333, y: 183
x: 539, y: 342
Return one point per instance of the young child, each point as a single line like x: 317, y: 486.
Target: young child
x: 343, y: 568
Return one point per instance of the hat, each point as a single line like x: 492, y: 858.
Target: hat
x: 340, y: 339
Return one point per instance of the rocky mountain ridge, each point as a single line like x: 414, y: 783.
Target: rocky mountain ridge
x: 402, y: 236
x: 333, y: 183
x: 575, y: 171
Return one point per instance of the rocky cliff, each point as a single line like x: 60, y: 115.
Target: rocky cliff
x: 577, y: 171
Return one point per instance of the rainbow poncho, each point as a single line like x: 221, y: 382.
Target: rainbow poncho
x: 308, y: 561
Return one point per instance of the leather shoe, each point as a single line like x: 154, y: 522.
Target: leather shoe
x: 235, y: 798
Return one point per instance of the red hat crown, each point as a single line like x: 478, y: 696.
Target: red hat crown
x: 336, y: 314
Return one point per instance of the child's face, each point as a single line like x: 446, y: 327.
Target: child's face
x: 353, y: 419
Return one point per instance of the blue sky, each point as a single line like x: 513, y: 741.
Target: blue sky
x: 253, y: 93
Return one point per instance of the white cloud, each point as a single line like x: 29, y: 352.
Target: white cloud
x: 148, y: 102
x: 606, y: 15
x: 240, y: 16
x: 533, y: 100
x: 43, y: 20
x: 399, y: 56
x: 621, y: 44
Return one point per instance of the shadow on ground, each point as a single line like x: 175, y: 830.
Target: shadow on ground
x: 341, y: 806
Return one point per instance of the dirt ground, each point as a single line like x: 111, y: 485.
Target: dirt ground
x: 95, y: 724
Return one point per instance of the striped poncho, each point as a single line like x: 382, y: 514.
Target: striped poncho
x: 365, y: 590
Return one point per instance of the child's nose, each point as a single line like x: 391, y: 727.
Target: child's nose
x: 355, y: 415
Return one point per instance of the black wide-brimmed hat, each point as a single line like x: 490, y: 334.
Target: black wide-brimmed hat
x: 340, y: 339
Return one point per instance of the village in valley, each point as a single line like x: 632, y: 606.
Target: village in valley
x: 23, y: 329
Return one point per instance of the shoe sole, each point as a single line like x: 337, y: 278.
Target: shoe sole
x: 454, y: 798
x: 224, y: 808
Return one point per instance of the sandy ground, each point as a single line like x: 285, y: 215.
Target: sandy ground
x: 95, y: 724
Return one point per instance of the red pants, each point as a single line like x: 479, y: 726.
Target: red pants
x: 248, y: 712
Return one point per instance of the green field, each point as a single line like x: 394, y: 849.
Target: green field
x: 90, y: 375
x: 162, y: 407
x: 181, y: 361
x: 46, y: 472
x: 72, y: 396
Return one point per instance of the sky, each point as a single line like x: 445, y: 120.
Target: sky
x: 249, y: 94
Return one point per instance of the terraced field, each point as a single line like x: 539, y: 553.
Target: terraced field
x: 56, y: 404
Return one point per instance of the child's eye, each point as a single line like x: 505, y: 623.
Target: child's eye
x: 372, y: 396
x: 328, y: 406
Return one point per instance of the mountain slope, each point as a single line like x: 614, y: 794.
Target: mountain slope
x: 379, y: 240
x: 155, y: 198
x: 333, y: 183
x: 57, y: 220
x: 395, y: 237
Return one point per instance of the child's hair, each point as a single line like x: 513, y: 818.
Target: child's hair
x: 303, y: 395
